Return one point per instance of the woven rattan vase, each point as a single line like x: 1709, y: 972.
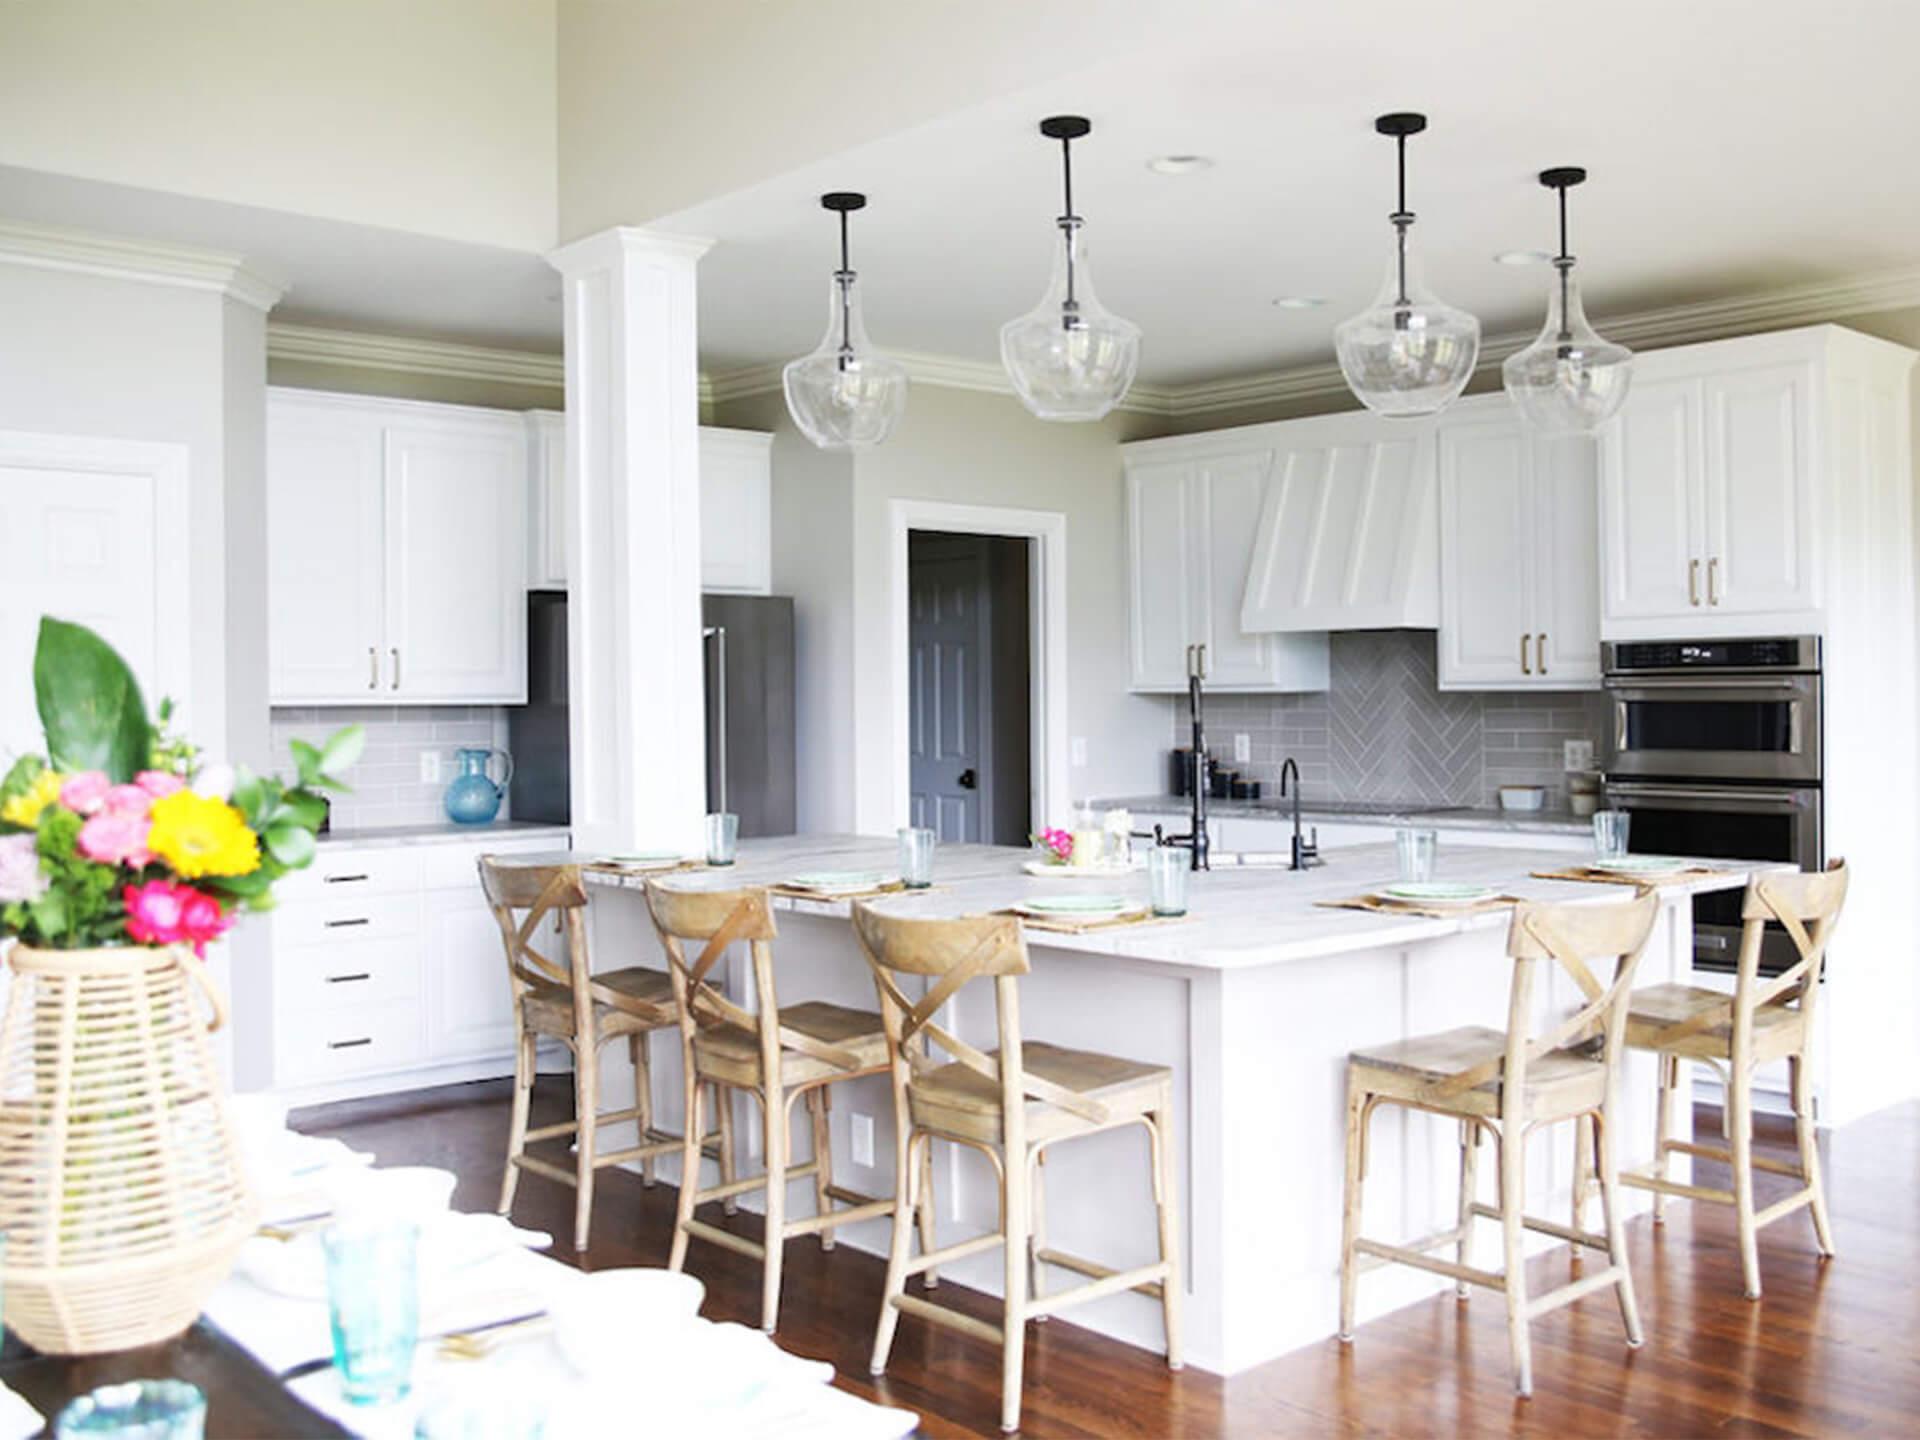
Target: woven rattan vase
x: 121, y: 1191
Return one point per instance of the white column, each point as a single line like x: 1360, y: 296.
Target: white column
x: 637, y: 717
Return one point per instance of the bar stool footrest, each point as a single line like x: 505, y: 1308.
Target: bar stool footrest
x: 725, y: 1239
x: 943, y: 1315
x: 1092, y: 1269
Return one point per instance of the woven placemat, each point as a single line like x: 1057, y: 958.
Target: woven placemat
x: 1065, y: 926
x: 1381, y: 906
x: 641, y: 872
x: 799, y: 892
x: 1610, y: 877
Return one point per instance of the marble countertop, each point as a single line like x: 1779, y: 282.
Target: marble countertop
x: 1539, y: 822
x: 443, y: 833
x: 1237, y: 918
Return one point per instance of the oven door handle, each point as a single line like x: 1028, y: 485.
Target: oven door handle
x: 1701, y: 797
x: 1792, y: 687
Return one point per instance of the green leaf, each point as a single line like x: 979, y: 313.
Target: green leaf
x: 302, y: 807
x: 89, y: 702
x: 50, y: 914
x: 307, y: 760
x: 249, y: 798
x: 342, y: 750
x: 291, y: 845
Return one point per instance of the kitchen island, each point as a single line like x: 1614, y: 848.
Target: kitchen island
x: 1254, y: 1000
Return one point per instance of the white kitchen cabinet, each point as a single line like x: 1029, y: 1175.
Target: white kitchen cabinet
x: 1190, y: 531
x: 396, y: 561
x: 736, y: 507
x: 1519, y: 539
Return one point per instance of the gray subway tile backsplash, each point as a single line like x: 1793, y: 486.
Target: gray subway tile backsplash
x: 1386, y: 732
x: 387, y: 789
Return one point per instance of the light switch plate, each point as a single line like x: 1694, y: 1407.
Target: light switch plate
x: 429, y: 767
x: 1242, y: 749
x: 1579, y: 755
x: 860, y: 1139
x: 1079, y: 751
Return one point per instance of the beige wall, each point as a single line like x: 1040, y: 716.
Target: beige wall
x: 436, y: 116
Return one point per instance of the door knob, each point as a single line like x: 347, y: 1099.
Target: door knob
x: 969, y: 780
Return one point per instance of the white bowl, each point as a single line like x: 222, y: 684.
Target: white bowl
x: 1523, y: 797
x: 607, y: 1318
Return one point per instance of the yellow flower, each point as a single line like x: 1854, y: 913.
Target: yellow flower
x: 201, y: 836
x: 24, y: 809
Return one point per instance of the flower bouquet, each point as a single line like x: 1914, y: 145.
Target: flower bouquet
x: 122, y: 857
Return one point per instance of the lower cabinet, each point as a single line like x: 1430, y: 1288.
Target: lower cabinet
x: 388, y: 970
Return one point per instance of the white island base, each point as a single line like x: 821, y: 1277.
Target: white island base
x: 1254, y: 1000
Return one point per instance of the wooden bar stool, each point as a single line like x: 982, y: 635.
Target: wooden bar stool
x: 1011, y: 1104
x: 1508, y: 1084
x: 583, y: 1011
x: 1763, y: 1020
x: 778, y: 1055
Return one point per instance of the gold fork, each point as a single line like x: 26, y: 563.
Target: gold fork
x: 483, y: 1340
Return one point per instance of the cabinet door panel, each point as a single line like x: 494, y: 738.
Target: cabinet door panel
x: 1650, y: 489
x: 325, y: 595
x: 469, y: 1009
x: 1759, y: 490
x: 456, y: 563
x: 547, y: 497
x: 1566, y: 578
x: 1486, y: 553
x: 1234, y: 490
x: 1162, y: 502
x: 735, y: 512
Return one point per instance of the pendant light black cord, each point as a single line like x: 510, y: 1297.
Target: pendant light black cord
x: 1070, y: 309
x: 845, y: 277
x: 1401, y: 221
x: 1563, y: 262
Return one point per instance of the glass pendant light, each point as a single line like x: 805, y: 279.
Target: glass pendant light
x: 845, y: 395
x: 1570, y: 380
x: 1408, y: 353
x: 1069, y: 357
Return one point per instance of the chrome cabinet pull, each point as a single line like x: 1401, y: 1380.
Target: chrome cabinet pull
x: 345, y: 879
x: 1713, y: 581
x: 1693, y: 582
x: 347, y: 924
x: 373, y: 668
x: 347, y: 979
x: 1525, y: 668
x: 1540, y: 651
x: 349, y: 1044
x: 395, y: 652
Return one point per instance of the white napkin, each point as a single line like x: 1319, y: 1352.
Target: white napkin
x: 18, y: 1419
x: 297, y: 1268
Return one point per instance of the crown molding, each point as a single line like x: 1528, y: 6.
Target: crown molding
x: 84, y: 253
x: 319, y: 346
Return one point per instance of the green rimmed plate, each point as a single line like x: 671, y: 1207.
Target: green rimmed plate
x: 1436, y: 892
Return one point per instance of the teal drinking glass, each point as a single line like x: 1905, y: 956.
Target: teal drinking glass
x: 136, y: 1410
x: 373, y: 1301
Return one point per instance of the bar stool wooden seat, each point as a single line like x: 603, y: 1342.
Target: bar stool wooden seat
x: 1765, y: 1019
x: 1508, y: 1083
x: 776, y: 1054
x: 1010, y: 1103
x: 583, y: 1011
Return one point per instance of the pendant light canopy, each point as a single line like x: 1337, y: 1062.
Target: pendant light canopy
x: 845, y: 395
x: 1570, y: 380
x: 1070, y: 358
x: 1408, y: 353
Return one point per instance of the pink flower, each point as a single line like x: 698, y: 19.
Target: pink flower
x: 127, y: 800
x: 202, y: 920
x: 163, y: 912
x: 159, y: 783
x: 86, y: 792
x: 115, y: 837
x: 20, y: 875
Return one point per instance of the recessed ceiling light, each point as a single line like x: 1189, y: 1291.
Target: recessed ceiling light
x: 1522, y: 257
x: 1179, y: 164
x: 1299, y: 302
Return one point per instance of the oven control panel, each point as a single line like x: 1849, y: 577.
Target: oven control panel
x: 1790, y: 653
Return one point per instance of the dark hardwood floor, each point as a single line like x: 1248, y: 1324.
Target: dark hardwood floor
x: 1833, y: 1349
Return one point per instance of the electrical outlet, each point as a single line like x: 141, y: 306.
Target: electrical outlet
x: 429, y: 767
x: 1579, y: 755
x: 1079, y: 752
x: 860, y: 1139
x: 1242, y: 749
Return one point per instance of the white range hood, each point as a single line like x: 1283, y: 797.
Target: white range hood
x: 1349, y: 532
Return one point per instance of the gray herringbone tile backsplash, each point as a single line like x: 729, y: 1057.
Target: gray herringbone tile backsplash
x: 1386, y: 732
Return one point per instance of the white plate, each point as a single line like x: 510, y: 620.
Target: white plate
x: 649, y: 860
x: 1079, y: 907
x: 1639, y: 865
x: 841, y: 882
x: 1105, y: 870
x: 1436, y: 892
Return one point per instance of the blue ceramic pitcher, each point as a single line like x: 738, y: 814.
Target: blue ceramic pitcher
x: 473, y: 798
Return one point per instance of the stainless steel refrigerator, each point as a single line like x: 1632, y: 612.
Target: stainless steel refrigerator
x: 747, y: 641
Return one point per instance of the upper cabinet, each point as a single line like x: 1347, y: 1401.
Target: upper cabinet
x: 396, y: 552
x: 1519, y: 547
x: 1191, y: 520
x: 1725, y: 472
x: 736, y: 503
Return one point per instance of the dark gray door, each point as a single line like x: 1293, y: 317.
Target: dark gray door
x: 948, y: 640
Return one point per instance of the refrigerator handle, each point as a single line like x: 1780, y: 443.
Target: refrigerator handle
x: 718, y: 634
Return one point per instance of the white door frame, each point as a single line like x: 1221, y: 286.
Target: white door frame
x: 1047, y: 643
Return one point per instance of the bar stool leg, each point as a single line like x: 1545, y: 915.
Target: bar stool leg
x: 723, y: 1118
x: 1350, y: 1205
x: 1809, y: 1152
x: 1616, y: 1227
x: 586, y: 1102
x: 1513, y: 1175
x: 1469, y: 1189
x: 775, y: 1114
x: 1166, y: 1195
x: 689, y: 1169
x: 897, y: 1252
x: 817, y: 1101
x: 523, y: 1061
x: 643, y: 1096
x: 929, y: 1277
x: 1740, y: 1121
x: 1583, y: 1166
x: 1663, y: 1129
x: 1036, y: 1282
x: 1013, y: 1345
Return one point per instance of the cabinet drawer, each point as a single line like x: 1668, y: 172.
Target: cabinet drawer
x: 456, y: 867
x: 316, y: 1046
x: 334, y: 977
x: 342, y: 874
x: 347, y: 921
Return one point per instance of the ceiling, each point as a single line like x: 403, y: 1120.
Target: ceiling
x: 1733, y: 148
